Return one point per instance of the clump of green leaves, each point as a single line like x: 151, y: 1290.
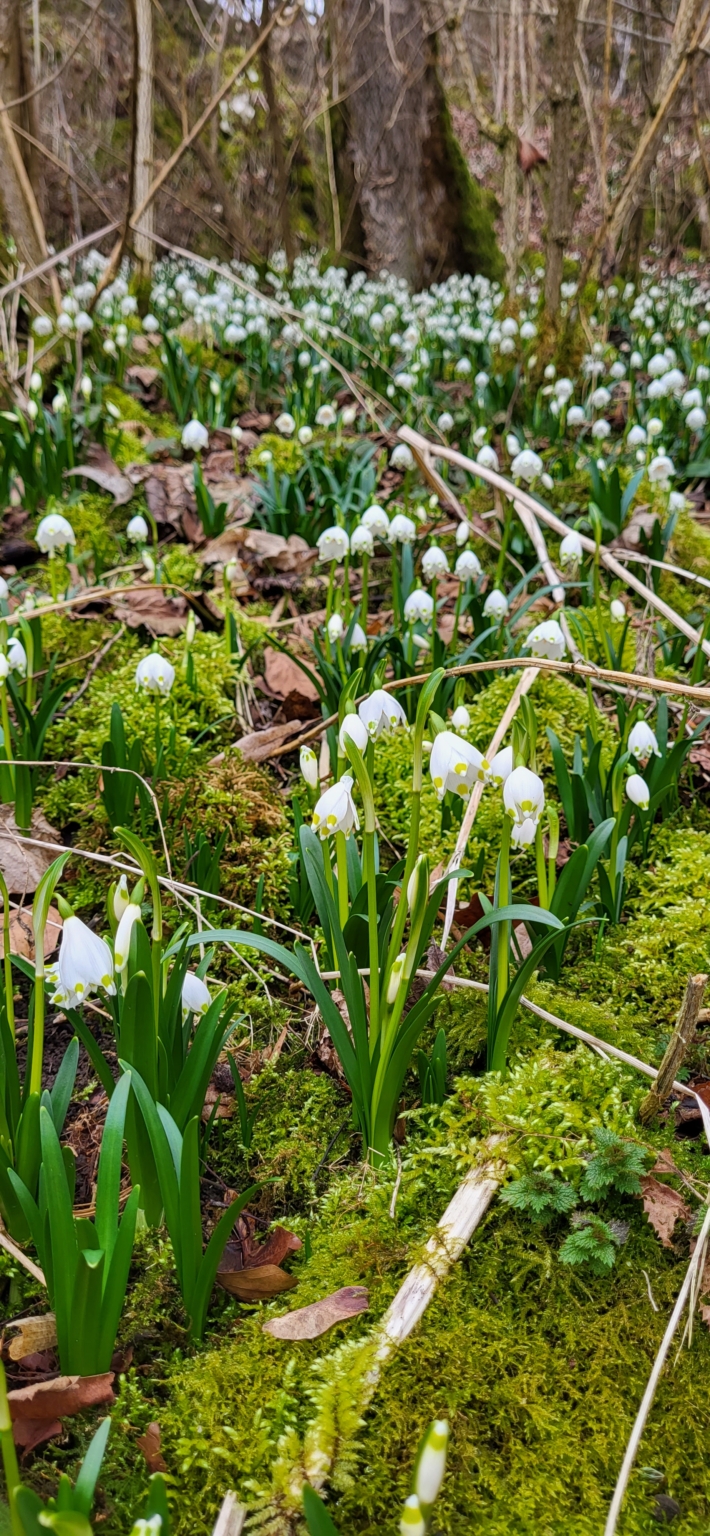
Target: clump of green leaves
x: 616, y: 1165
x: 590, y: 1242
x: 541, y: 1195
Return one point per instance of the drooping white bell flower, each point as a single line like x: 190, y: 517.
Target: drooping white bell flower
x: 362, y: 541
x: 461, y: 718
x: 419, y: 605
x: 434, y: 563
x: 571, y: 549
x: 642, y: 741
x: 54, y: 532
x: 305, y: 436
x: 4, y: 590
x: 487, y: 457
x: 500, y: 769
x: 309, y: 766
x: 547, y: 639
x: 326, y: 416
x: 137, y: 530
x: 395, y: 978
x: 354, y: 729
x: 375, y: 518
x: 468, y: 566
x: 333, y: 544
x: 660, y: 469
x: 335, y: 811
x: 637, y: 791
x: 402, y: 530
x: 576, y: 416
x: 696, y: 419
x: 496, y: 605
x: 4, y: 667
x: 445, y: 421
x: 17, y: 656
x: 155, y: 674
x: 463, y: 532
x: 524, y: 800
x: 285, y: 424
x: 601, y: 430
x: 122, y: 941
x: 636, y: 437
x: 454, y: 764
x: 121, y: 898
x: 358, y: 638
x: 617, y: 610
x: 335, y: 627
x: 195, y: 436
x: 84, y: 964
x: 195, y: 995
x: 431, y: 1466
x: 526, y: 465
x: 412, y: 1522
x: 512, y: 445
x: 402, y: 457
x: 381, y: 711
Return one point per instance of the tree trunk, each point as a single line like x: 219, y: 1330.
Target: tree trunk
x: 562, y: 97
x: 277, y: 141
x: 421, y: 214
x: 144, y: 247
x: 21, y: 216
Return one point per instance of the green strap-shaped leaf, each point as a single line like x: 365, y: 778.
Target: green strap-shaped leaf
x: 64, y: 1251
x: 317, y: 1518
x: 116, y: 1279
x: 90, y: 1468
x: 63, y: 1085
x: 202, y: 1289
x: 108, y: 1183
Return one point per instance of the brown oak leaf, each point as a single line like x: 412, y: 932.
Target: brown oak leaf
x: 663, y: 1206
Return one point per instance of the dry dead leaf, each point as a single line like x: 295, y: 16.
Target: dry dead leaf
x: 257, y: 746
x: 310, y: 1322
x: 34, y: 1334
x: 22, y: 939
x: 105, y: 473
x: 251, y: 1271
x: 285, y: 678
x: 159, y: 614
x: 256, y: 1284
x: 664, y: 1162
x: 22, y: 864
x: 149, y: 1444
x: 36, y: 1411
x: 144, y: 376
x: 663, y: 1206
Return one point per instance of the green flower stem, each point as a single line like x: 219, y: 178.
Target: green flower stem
x: 540, y: 868
x: 346, y: 583
x: 341, y: 662
x: 53, y: 575
x: 7, y: 963
x: 364, y: 595
x: 342, y: 865
x: 370, y: 877
x: 327, y: 866
x: 505, y: 540
x: 9, y: 1455
x: 7, y: 739
x: 426, y: 699
x: 504, y: 901
x: 30, y: 652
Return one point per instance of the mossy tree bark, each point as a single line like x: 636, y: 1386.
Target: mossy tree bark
x: 563, y: 91
x: 419, y: 211
x: 20, y: 214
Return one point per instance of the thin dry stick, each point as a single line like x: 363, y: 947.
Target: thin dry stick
x: 59, y: 256
x: 681, y: 1039
x: 10, y: 1247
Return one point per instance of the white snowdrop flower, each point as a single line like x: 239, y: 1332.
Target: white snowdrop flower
x: 617, y: 610
x: 500, y: 769
x: 704, y: 328
x: 512, y: 445
x: 431, y: 1465
x: 195, y: 436
x: 481, y: 380
x: 654, y: 427
x: 36, y: 383
x: 83, y: 322
x: 461, y: 718
x: 550, y: 371
x: 151, y: 325
x: 657, y: 389
x: 112, y: 411
x: 674, y: 381
x: 571, y: 549
x: 333, y: 544
x: 600, y: 398
x: 468, y: 566
x: 454, y: 764
x: 375, y: 518
x: 547, y: 639
x: 526, y: 465
x: 86, y: 387
x: 285, y: 424
x: 381, y: 711
x: 509, y: 327
x: 528, y: 330
x: 353, y: 729
x: 635, y: 360
x: 42, y: 325
x: 576, y: 416
x: 335, y: 811
x: 362, y: 541
x: 233, y: 334
x: 84, y: 964
x: 702, y: 373
x: 496, y: 605
x: 195, y: 995
x: 564, y: 390
x: 487, y: 457
x: 122, y: 941
x: 358, y: 638
x: 304, y: 359
x: 402, y: 457
x: 60, y: 402
x: 395, y: 978
x: 129, y: 304
x: 305, y: 436
x: 642, y: 741
x: 696, y: 419
x: 463, y: 532
x: 463, y: 366
x: 404, y: 380
x: 348, y: 415
x: 412, y: 1522
x: 137, y: 530
x: 636, y: 437
x: 121, y: 336
x: 691, y: 398
x: 506, y: 346
x: 335, y: 627
x: 121, y: 898
x: 660, y: 469
x: 601, y: 430
x: 32, y: 410
x: 155, y: 674
x: 54, y: 532
x: 65, y: 323
x: 377, y: 323
x: 4, y: 667
x: 419, y: 605
x: 618, y: 371
x: 657, y: 365
x: 434, y: 563
x: 445, y: 421
x: 309, y: 766
x: 4, y: 590
x: 524, y: 800
x: 402, y: 529
x: 17, y: 656
x: 547, y: 481
x: 637, y: 791
x: 326, y: 416
x: 676, y: 502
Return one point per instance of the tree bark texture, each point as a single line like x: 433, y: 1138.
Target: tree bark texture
x: 563, y: 90
x: 420, y: 213
x: 144, y: 247
x: 21, y: 217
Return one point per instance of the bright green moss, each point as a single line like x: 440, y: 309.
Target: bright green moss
x: 286, y: 456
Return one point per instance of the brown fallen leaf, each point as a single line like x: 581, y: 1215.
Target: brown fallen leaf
x: 22, y: 864
x: 34, y: 1334
x: 256, y: 1284
x: 144, y: 376
x: 257, y: 746
x: 664, y: 1163
x: 22, y: 939
x: 105, y: 473
x: 286, y: 679
x: 310, y: 1322
x: 149, y: 1444
x: 159, y: 614
x: 251, y: 1270
x: 704, y: 1311
x: 29, y: 1433
x: 663, y: 1206
x: 36, y: 1410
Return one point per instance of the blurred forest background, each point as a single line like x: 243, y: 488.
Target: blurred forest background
x: 421, y: 136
